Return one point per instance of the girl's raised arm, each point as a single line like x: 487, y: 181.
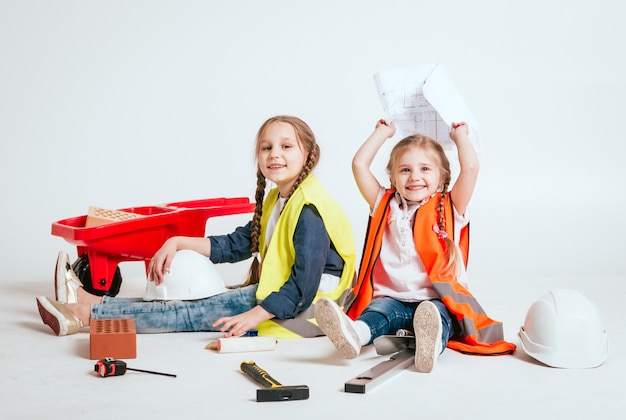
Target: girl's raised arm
x: 365, y: 179
x: 463, y: 188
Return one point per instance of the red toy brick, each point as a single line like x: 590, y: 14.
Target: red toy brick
x: 115, y: 338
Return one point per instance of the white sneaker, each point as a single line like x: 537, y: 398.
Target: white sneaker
x: 337, y: 327
x: 66, y: 283
x: 428, y: 330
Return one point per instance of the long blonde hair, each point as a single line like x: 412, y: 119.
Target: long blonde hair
x: 434, y: 150
x: 306, y: 140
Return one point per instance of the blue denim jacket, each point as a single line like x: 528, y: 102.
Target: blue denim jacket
x: 315, y: 254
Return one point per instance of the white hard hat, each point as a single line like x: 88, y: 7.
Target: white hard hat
x: 191, y: 276
x: 563, y: 329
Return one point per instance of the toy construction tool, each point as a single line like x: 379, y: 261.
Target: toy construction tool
x: 380, y: 373
x: 403, y: 343
x: 273, y: 390
x: 112, y: 367
x: 387, y: 344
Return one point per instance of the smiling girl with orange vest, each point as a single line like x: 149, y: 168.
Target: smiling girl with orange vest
x: 412, y: 274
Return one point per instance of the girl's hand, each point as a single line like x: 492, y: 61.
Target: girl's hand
x: 387, y: 129
x: 459, y: 130
x: 237, y: 325
x: 161, y: 261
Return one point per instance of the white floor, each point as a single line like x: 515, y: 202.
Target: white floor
x: 45, y: 376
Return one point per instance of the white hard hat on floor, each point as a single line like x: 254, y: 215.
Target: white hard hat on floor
x: 192, y: 276
x: 563, y: 329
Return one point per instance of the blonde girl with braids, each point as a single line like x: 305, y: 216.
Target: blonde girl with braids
x: 395, y: 290
x: 300, y: 240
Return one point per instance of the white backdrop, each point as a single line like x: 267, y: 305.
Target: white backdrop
x: 129, y: 103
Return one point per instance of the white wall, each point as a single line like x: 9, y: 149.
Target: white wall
x: 127, y: 103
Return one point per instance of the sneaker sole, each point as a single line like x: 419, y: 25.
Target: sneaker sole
x: 330, y: 322
x: 51, y: 317
x: 427, y: 326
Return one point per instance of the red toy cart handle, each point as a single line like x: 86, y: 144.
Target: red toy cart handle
x: 138, y: 239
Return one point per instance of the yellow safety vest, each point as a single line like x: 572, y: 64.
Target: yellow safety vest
x: 279, y: 257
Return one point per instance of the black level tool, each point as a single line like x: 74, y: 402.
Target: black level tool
x: 273, y: 390
x: 112, y: 367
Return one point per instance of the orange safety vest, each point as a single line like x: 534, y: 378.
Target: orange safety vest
x: 479, y: 333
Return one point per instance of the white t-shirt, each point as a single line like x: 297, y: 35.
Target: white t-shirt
x: 273, y: 219
x: 399, y: 272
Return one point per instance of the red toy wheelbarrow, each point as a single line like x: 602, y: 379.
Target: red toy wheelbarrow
x: 139, y: 238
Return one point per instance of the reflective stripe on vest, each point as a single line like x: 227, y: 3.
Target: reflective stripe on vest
x: 304, y: 325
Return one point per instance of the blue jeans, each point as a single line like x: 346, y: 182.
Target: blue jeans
x: 176, y: 315
x: 386, y: 315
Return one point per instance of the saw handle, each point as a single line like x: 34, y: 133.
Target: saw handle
x: 259, y: 374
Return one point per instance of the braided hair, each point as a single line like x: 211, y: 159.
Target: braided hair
x: 434, y: 150
x: 306, y: 140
